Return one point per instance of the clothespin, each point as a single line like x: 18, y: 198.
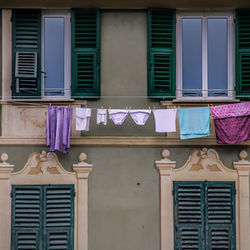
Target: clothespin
x: 154, y: 107
x: 101, y: 107
x: 109, y: 107
x: 149, y: 107
x: 130, y: 107
x: 174, y: 106
x: 208, y: 105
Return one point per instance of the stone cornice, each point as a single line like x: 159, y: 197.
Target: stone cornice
x: 121, y: 141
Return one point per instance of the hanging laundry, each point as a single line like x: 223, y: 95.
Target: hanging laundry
x: 140, y: 116
x: 232, y: 122
x: 194, y: 122
x: 165, y: 120
x: 58, y: 126
x: 118, y: 116
x: 101, y: 116
x: 82, y: 119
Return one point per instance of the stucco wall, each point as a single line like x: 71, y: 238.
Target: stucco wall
x: 124, y: 193
x: 123, y: 71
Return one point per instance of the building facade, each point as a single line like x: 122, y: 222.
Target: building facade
x: 118, y: 188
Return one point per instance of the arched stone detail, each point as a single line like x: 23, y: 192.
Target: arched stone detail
x: 45, y: 169
x: 204, y: 165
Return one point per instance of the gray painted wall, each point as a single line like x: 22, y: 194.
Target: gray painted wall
x: 123, y: 72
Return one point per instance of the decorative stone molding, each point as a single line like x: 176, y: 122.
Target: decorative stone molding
x: 82, y: 168
x: 5, y: 168
x: 45, y: 169
x: 204, y: 165
x: 243, y: 169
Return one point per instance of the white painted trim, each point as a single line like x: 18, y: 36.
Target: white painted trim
x: 45, y: 169
x: 204, y: 165
x: 230, y: 76
x: 67, y: 50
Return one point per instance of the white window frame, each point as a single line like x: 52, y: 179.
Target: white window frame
x: 67, y: 53
x: 230, y: 67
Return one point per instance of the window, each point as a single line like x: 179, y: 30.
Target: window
x: 204, y: 215
x: 53, y: 58
x: 42, y: 217
x: 191, y: 55
x: 55, y: 54
x: 204, y: 56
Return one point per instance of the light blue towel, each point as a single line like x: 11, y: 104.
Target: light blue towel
x: 194, y: 122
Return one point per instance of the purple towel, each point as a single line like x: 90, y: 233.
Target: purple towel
x: 58, y: 128
x: 232, y: 122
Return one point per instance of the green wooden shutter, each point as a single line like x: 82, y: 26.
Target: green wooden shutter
x: 43, y: 217
x: 220, y: 219
x: 26, y: 217
x: 85, y: 76
x: 26, y: 53
x: 59, y: 208
x: 242, y: 53
x: 189, y: 217
x: 204, y: 215
x: 161, y: 53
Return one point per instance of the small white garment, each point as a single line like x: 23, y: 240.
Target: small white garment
x: 101, y: 116
x: 140, y: 116
x: 82, y: 118
x: 165, y: 120
x: 118, y: 116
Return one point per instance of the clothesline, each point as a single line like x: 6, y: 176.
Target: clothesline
x: 231, y: 122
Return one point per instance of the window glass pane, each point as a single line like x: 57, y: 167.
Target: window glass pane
x: 54, y: 56
x: 217, y: 56
x: 191, y: 57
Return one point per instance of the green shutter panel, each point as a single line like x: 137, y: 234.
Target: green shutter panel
x: 85, y: 76
x: 220, y: 214
x: 242, y: 53
x: 188, y: 215
x: 26, y: 53
x: 161, y: 53
x: 26, y: 217
x: 59, y: 209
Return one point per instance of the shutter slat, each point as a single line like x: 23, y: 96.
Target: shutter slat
x: 161, y: 49
x: 242, y: 53
x: 26, y: 53
x: 188, y: 215
x: 220, y: 215
x: 85, y: 52
x: 58, y: 207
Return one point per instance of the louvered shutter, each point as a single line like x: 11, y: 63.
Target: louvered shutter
x: 26, y: 53
x: 220, y: 210
x: 59, y: 217
x: 161, y: 53
x: 85, y: 77
x: 26, y: 217
x: 243, y: 53
x: 188, y: 217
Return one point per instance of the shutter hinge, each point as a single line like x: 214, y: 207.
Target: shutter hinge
x: 11, y: 194
x: 235, y: 191
x: 74, y: 194
x: 11, y: 19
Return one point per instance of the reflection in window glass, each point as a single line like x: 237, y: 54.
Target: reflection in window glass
x: 54, y: 56
x: 191, y: 57
x: 217, y: 56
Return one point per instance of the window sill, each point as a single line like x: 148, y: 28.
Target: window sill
x: 210, y: 100
x: 47, y: 101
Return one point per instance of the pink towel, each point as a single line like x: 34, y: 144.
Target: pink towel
x: 232, y: 122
